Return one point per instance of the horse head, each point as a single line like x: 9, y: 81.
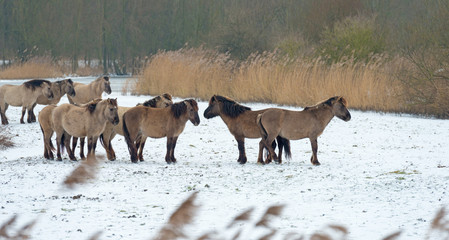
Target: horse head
x: 192, y: 111
x: 110, y: 111
x: 339, y: 108
x: 106, y: 85
x: 213, y: 109
x: 69, y: 88
x: 46, y: 90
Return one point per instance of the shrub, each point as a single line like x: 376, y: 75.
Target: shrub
x: 353, y: 37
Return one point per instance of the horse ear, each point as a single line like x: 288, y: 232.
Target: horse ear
x: 106, y: 78
x: 167, y: 96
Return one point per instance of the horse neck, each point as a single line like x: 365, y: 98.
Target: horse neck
x: 97, y: 88
x: 324, y: 113
x: 99, y: 113
x: 58, y: 91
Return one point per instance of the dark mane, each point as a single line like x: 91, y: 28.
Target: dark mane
x: 32, y: 84
x: 193, y: 103
x: 327, y: 102
x: 230, y: 107
x: 178, y: 109
x: 151, y: 103
x: 90, y: 106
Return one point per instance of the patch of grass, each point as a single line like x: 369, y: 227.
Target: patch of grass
x: 404, y: 172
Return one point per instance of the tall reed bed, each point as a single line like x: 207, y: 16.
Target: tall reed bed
x: 268, y: 77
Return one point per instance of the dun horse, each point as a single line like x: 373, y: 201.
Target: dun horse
x: 162, y: 101
x: 294, y: 125
x: 82, y: 121
x: 24, y: 95
x: 91, y: 91
x: 141, y: 122
x: 86, y: 93
x: 59, y: 89
x: 241, y: 122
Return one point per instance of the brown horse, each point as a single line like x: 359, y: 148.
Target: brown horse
x: 24, y: 95
x: 83, y: 121
x: 162, y: 101
x: 59, y: 89
x: 308, y: 123
x: 241, y: 122
x: 91, y: 91
x: 141, y: 122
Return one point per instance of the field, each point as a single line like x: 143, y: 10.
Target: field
x: 380, y: 173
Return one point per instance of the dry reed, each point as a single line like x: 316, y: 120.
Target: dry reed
x: 38, y: 67
x: 269, y: 78
x: 85, y: 171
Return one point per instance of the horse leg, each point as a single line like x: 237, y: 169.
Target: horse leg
x: 260, y: 156
x: 91, y: 146
x: 58, y: 145
x: 242, y: 155
x: 171, y: 142
x: 31, y: 112
x: 111, y: 150
x: 70, y: 152
x: 140, y: 148
x: 173, y: 159
x: 314, y: 158
x: 268, y: 142
x: 3, y: 108
x: 82, y: 141
x: 23, y: 114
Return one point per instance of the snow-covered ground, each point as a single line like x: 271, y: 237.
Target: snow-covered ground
x: 380, y: 173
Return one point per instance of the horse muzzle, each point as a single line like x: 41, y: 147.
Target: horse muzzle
x: 116, y: 121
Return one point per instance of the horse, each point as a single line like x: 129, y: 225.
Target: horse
x: 24, y: 95
x: 91, y: 91
x: 141, y: 122
x: 88, y: 121
x: 295, y: 125
x: 162, y: 101
x: 241, y: 122
x: 86, y: 93
x: 59, y: 89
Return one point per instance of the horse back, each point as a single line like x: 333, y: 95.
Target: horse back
x: 244, y: 125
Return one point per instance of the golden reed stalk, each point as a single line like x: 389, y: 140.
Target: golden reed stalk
x: 269, y: 78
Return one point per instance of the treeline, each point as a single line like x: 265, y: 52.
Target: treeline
x: 121, y: 34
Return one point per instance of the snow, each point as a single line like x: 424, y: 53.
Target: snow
x: 380, y: 173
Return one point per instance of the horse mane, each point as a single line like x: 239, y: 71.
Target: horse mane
x: 230, y: 107
x: 32, y: 84
x: 193, y: 103
x: 92, y: 105
x: 178, y: 109
x: 151, y: 103
x: 328, y: 102
x: 106, y: 78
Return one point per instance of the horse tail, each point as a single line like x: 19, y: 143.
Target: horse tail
x: 286, y: 146
x: 131, y: 147
x: 262, y: 129
x: 102, y: 141
x: 62, y: 143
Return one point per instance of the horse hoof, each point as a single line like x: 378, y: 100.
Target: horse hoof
x: 316, y: 163
x: 59, y: 159
x: 134, y: 161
